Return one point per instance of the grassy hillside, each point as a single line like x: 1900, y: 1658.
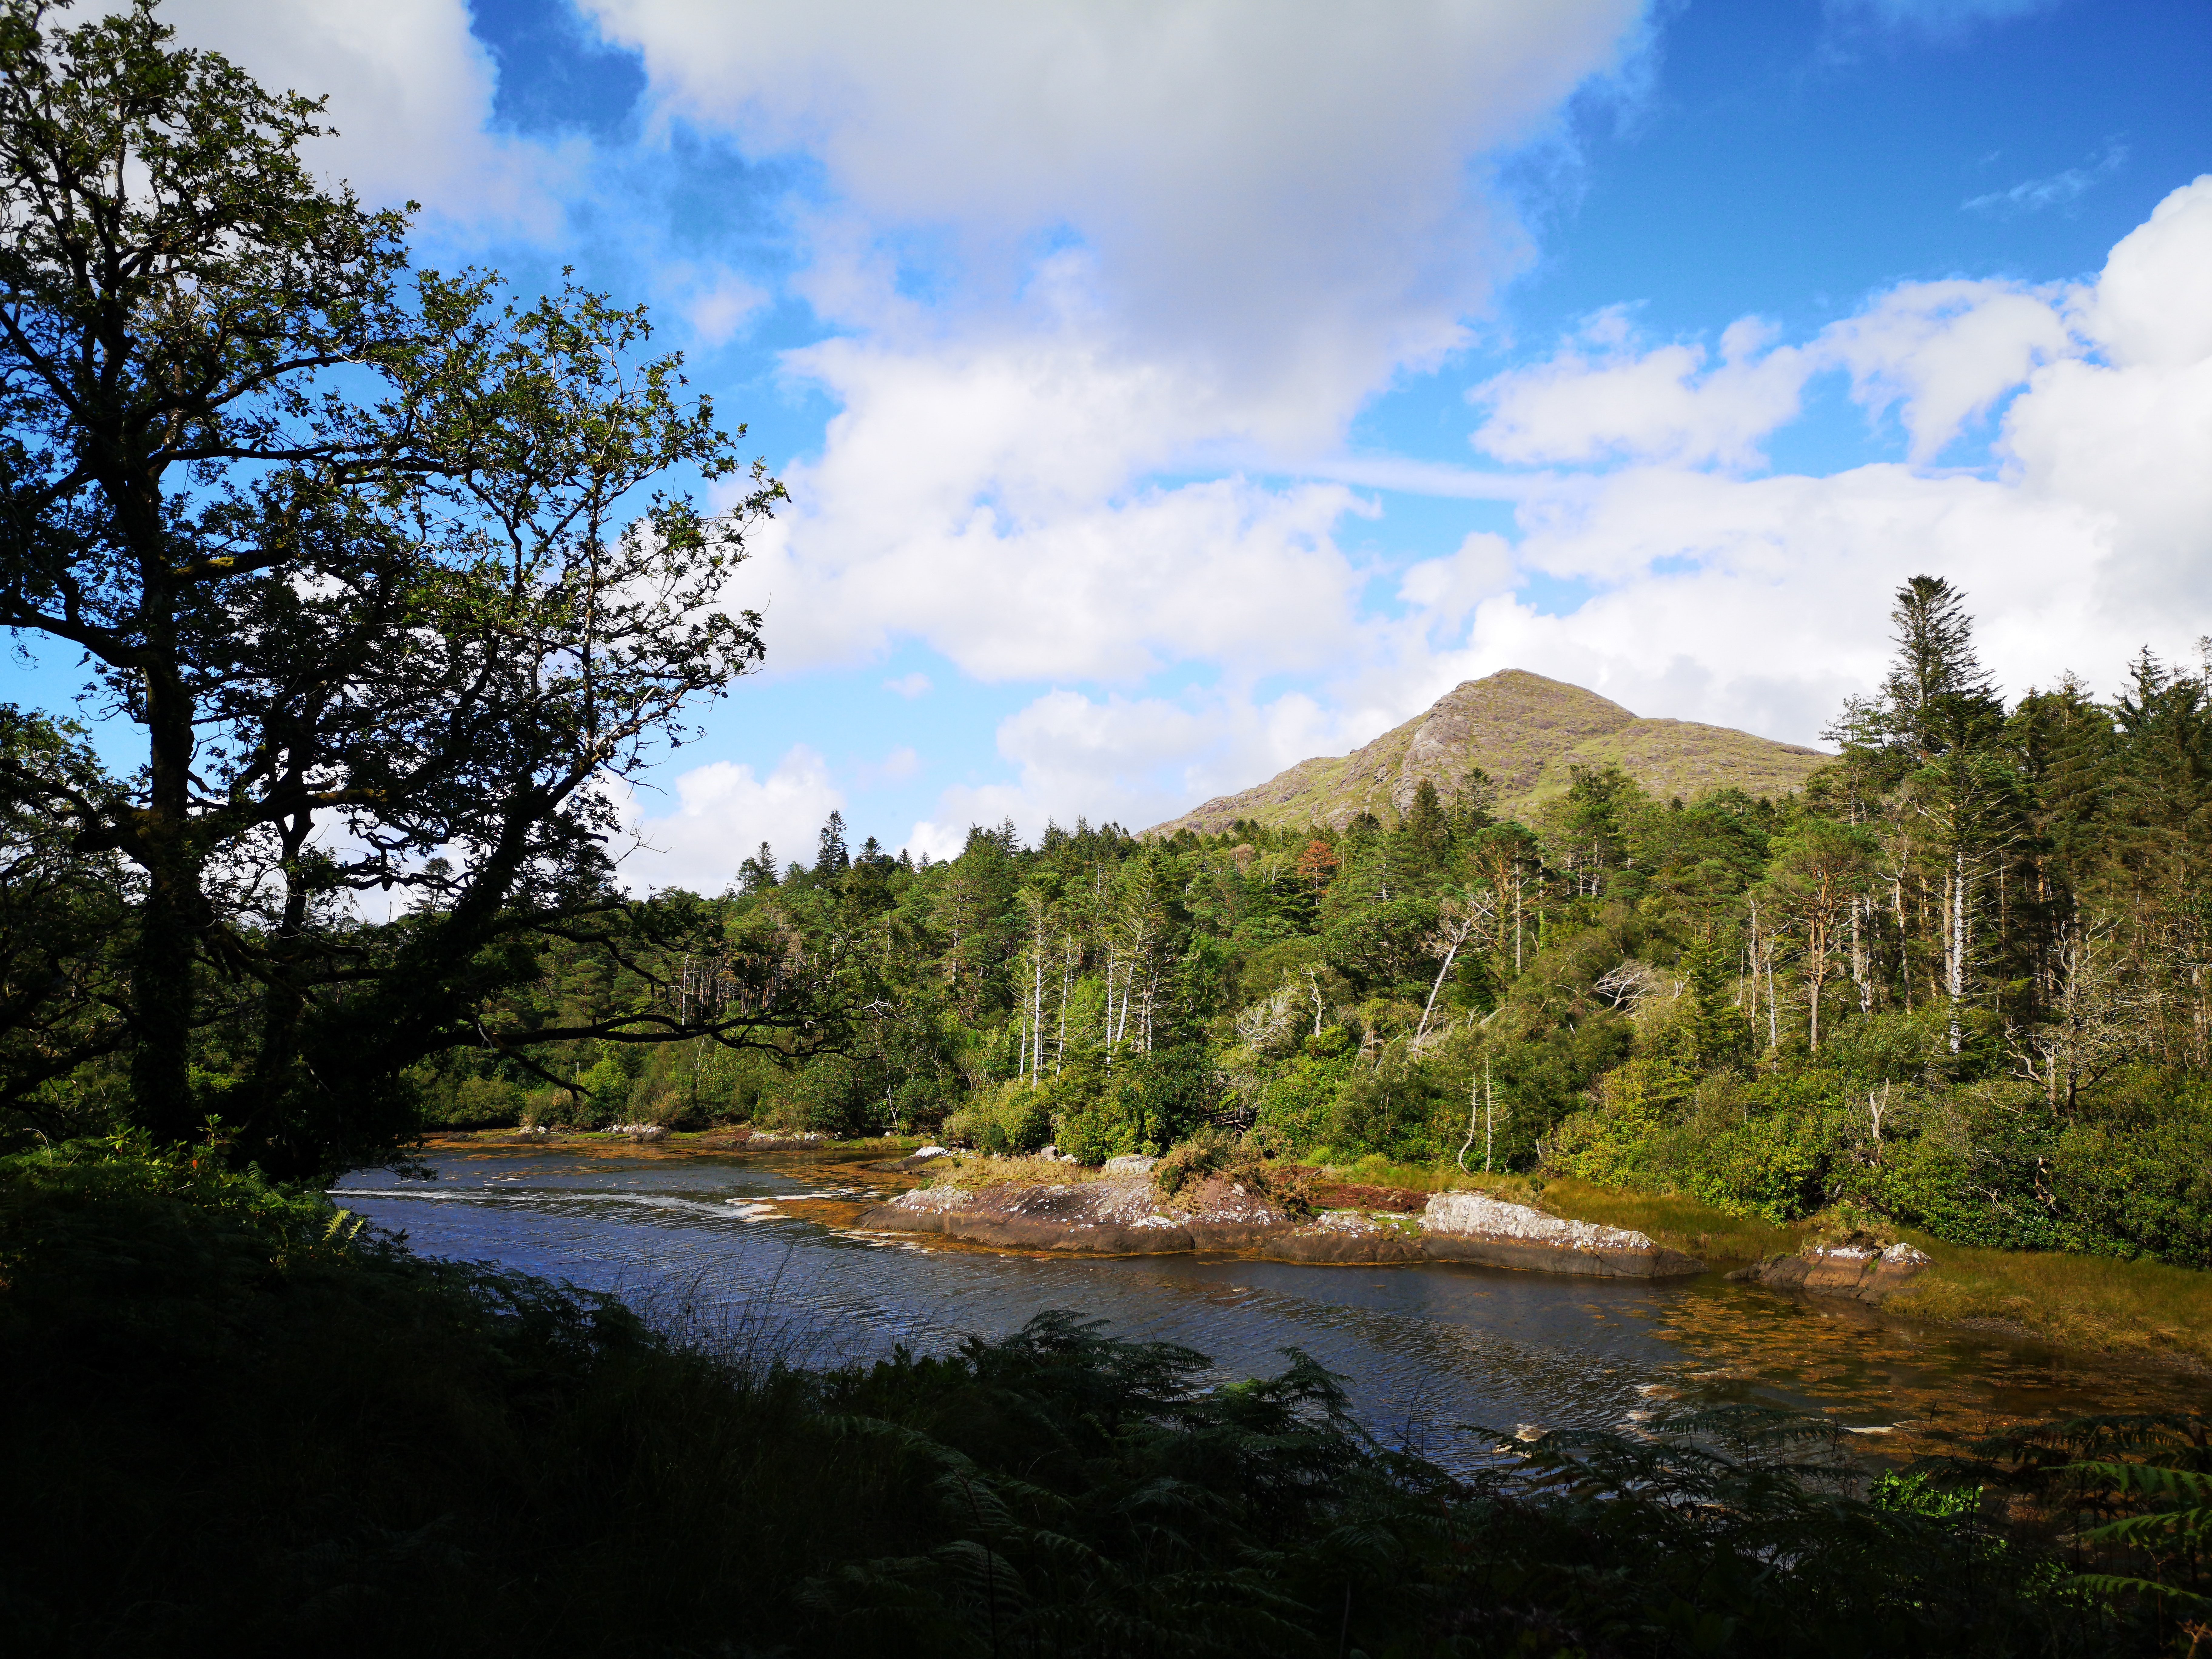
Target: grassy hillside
x: 1527, y: 732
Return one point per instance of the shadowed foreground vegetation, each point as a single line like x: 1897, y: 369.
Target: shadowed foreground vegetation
x: 246, y: 1424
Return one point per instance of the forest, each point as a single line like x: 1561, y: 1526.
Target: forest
x: 386, y: 574
x: 1958, y: 983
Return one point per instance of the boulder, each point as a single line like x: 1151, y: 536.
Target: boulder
x: 1351, y: 1238
x: 1476, y: 1227
x: 1861, y: 1269
x: 1130, y: 1163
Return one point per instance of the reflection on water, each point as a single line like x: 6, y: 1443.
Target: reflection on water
x: 758, y: 1243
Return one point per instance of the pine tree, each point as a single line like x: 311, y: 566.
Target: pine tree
x: 830, y: 857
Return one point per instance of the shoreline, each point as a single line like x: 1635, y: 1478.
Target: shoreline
x: 2144, y: 1311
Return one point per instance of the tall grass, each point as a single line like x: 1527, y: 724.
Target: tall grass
x: 2142, y: 1308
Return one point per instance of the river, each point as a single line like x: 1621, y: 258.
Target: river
x: 758, y: 1250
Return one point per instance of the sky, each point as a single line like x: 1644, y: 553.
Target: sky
x: 1169, y: 392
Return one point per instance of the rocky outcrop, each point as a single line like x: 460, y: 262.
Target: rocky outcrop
x: 1475, y: 1227
x: 1865, y: 1272
x: 1126, y: 1216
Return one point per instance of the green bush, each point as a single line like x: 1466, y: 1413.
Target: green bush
x: 607, y: 1084
x: 1011, y: 1118
x: 1301, y: 1102
x: 481, y: 1102
x: 1775, y: 1168
x: 2143, y: 1181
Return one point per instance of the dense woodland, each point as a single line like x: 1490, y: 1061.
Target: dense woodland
x: 384, y: 636
x: 1961, y: 982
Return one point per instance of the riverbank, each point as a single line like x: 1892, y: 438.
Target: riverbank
x: 260, y: 1433
x: 2145, y: 1311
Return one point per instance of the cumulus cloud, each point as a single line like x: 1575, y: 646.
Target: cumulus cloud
x: 982, y: 500
x: 410, y: 94
x: 1134, y: 760
x: 1288, y: 202
x: 1759, y: 602
x: 1938, y: 353
x: 721, y: 813
x: 1600, y: 397
x: 1942, y: 353
x: 1941, y: 18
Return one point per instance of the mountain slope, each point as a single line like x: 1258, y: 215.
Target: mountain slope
x: 1526, y: 732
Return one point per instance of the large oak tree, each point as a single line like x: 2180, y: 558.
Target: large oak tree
x: 372, y: 558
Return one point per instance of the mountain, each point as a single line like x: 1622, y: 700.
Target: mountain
x: 1526, y: 732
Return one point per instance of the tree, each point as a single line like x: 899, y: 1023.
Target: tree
x: 830, y: 856
x: 1819, y: 870
x: 1506, y: 859
x: 1317, y: 863
x: 1591, y: 833
x: 64, y: 919
x: 1937, y: 697
x: 1428, y: 831
x: 758, y: 874
x: 1941, y: 721
x: 366, y: 559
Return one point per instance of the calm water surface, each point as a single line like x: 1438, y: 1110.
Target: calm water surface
x: 760, y: 1246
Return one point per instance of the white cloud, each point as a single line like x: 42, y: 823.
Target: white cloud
x: 1286, y: 199
x: 1599, y: 398
x: 2056, y: 190
x: 2149, y: 307
x: 719, y: 304
x: 979, y: 500
x: 1936, y: 17
x: 1944, y: 352
x: 909, y: 686
x: 722, y: 814
x: 1132, y: 760
x: 1939, y: 354
x: 1760, y: 602
x: 410, y: 92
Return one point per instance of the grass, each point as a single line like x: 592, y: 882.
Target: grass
x: 1681, y: 1223
x: 2148, y: 1310
x: 992, y: 1169
x: 1715, y: 1236
x: 2145, y: 1309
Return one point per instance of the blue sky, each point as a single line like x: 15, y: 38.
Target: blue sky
x: 1171, y: 392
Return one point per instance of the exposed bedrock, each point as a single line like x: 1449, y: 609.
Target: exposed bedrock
x: 1475, y: 1227
x: 1863, y: 1272
x: 1127, y: 1216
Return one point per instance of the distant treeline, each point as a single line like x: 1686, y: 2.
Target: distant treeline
x: 1960, y: 981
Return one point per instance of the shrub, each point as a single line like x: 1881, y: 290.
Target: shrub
x: 1215, y: 1152
x: 1011, y: 1118
x: 483, y: 1102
